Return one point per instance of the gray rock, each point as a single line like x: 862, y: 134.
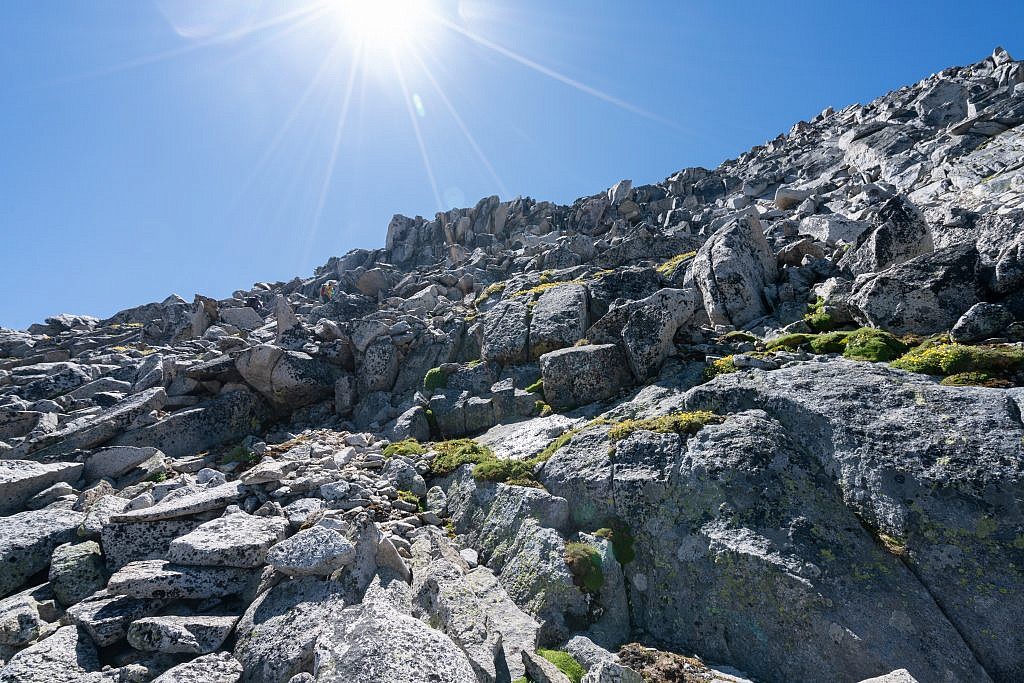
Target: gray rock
x: 833, y: 229
x: 28, y: 540
x: 506, y: 332
x: 64, y: 657
x: 189, y: 635
x: 22, y: 479
x: 359, y: 646
x: 311, y: 552
x: 900, y: 234
x: 116, y: 461
x: 412, y: 424
x: 228, y: 418
x: 76, y: 571
x: 541, y: 670
x: 559, y: 319
x: 213, y: 668
x: 277, y: 634
x: 287, y: 379
x: 379, y: 367
x: 172, y: 507
x: 898, y: 676
x: 609, y: 671
x: 234, y: 540
x: 647, y: 338
x: 981, y: 321
x: 583, y: 374
x: 732, y: 269
x: 160, y: 579
x: 242, y: 317
x: 106, y: 617
x: 134, y: 541
x: 925, y: 295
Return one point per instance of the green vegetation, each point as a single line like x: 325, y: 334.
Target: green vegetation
x: 975, y: 379
x: 892, y: 544
x: 873, y: 345
x: 584, y: 562
x: 545, y: 286
x: 622, y: 543
x: 565, y: 663
x: 542, y: 408
x: 818, y: 318
x: 675, y: 423
x: 489, y: 291
x: 738, y: 337
x: 789, y: 342
x: 555, y: 444
x: 537, y: 387
x: 720, y: 366
x: 457, y: 452
x: 668, y: 267
x: 242, y: 455
x: 503, y: 470
x: 522, y: 679
x: 831, y: 342
x: 404, y: 447
x: 410, y: 497
x: 158, y: 477
x: 954, y: 359
x: 436, y: 378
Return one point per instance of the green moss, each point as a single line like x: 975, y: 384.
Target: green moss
x: 720, y: 366
x: 738, y: 337
x: 584, y: 562
x: 556, y: 443
x: 457, y: 452
x: 528, y: 482
x: 404, y: 447
x: 158, y: 477
x: 831, y: 342
x: 565, y: 663
x: 622, y: 543
x: 473, y: 363
x: 521, y: 679
x: 542, y: 408
x: 666, y: 269
x: 677, y: 423
x: 410, y: 497
x: 873, y: 345
x: 491, y: 290
x: 954, y: 359
x: 818, y: 318
x: 545, y: 286
x: 537, y: 387
x: 975, y: 379
x: 436, y: 378
x: 788, y: 342
x: 503, y: 470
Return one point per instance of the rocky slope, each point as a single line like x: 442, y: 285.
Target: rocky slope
x: 764, y: 418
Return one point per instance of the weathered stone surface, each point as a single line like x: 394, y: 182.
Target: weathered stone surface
x: 359, y: 646
x: 134, y: 541
x: 379, y: 367
x: 981, y: 321
x: 288, y: 379
x: 28, y: 540
x: 235, y: 540
x: 242, y: 317
x: 189, y: 635
x: 172, y: 507
x: 927, y: 294
x: 22, y: 479
x: 229, y: 417
x: 899, y: 235
x: 213, y: 668
x: 583, y: 374
x: 64, y: 657
x: 76, y: 571
x: 647, y: 338
x: 559, y: 319
x: 313, y: 551
x: 117, y: 460
x: 160, y: 579
x: 507, y: 332
x: 106, y: 617
x: 732, y: 269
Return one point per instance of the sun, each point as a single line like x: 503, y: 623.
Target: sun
x: 391, y: 25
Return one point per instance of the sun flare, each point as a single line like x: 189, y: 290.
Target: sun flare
x: 389, y: 24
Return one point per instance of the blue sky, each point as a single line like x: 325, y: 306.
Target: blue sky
x: 158, y: 146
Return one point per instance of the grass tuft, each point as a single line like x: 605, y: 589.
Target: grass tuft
x: 584, y: 562
x: 565, y: 663
x: 676, y: 423
x: 457, y: 452
x: 404, y: 447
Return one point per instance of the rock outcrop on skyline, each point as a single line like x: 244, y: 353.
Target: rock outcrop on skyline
x: 761, y: 422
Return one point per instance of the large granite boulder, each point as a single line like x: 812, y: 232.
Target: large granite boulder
x: 287, y: 379
x: 584, y: 374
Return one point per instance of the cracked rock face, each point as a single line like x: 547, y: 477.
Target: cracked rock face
x: 665, y: 431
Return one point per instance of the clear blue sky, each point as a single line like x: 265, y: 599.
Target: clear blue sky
x: 158, y: 146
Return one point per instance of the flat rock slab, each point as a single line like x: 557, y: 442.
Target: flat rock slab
x: 117, y: 460
x: 215, y: 498
x: 190, y: 635
x: 216, y: 668
x: 22, y: 479
x: 65, y: 657
x: 28, y: 539
x: 136, y: 541
x: 312, y: 551
x: 161, y: 579
x: 236, y: 540
x: 106, y: 617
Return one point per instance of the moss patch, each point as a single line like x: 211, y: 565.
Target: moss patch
x: 831, y: 342
x: 504, y: 470
x: 676, y: 423
x: 565, y: 663
x: 668, y: 267
x: 817, y: 318
x: 873, y: 345
x: 537, y: 387
x: 720, y: 366
x: 404, y: 447
x: 975, y: 379
x: 489, y: 291
x: 997, y: 362
x: 436, y: 378
x: 457, y: 452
